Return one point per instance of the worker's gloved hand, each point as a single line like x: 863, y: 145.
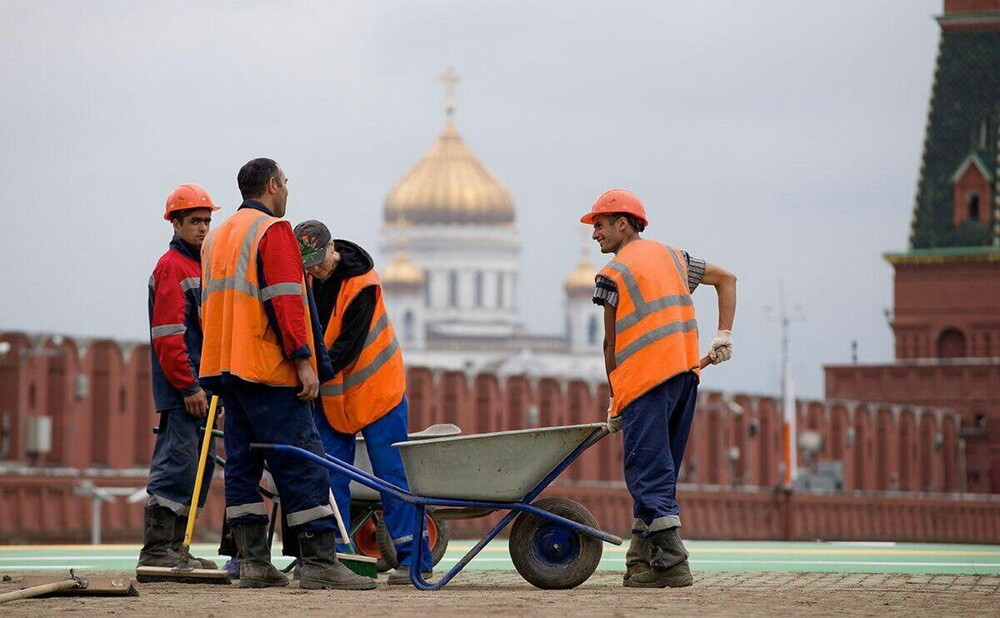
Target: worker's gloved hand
x: 721, y: 349
x: 308, y: 379
x: 614, y: 422
x: 197, y: 404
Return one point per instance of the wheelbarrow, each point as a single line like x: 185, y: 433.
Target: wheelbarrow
x: 555, y: 543
x: 368, y: 531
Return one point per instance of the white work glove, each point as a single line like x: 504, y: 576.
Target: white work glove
x: 614, y: 422
x: 721, y: 349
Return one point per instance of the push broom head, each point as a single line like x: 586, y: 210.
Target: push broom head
x: 183, y: 573
x: 362, y: 565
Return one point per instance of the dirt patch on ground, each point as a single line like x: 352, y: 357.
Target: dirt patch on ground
x: 473, y: 594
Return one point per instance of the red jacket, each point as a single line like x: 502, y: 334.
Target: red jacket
x: 175, y: 325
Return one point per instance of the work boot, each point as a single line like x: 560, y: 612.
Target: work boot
x: 180, y: 529
x: 256, y: 570
x: 401, y: 576
x: 637, y: 557
x: 320, y: 567
x: 158, y: 534
x: 668, y: 563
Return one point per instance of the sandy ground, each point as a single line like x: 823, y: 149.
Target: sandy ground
x: 502, y: 592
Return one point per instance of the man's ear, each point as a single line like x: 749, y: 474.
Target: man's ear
x: 177, y: 225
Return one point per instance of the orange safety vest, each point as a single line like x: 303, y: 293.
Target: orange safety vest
x: 374, y: 384
x: 239, y: 339
x: 656, y: 335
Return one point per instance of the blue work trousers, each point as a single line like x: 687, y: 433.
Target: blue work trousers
x: 387, y: 465
x: 655, y: 428
x: 175, y: 462
x: 273, y: 414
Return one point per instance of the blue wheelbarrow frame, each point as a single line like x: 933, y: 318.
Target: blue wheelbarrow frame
x: 422, y: 502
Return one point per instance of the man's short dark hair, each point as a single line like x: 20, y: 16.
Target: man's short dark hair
x: 630, y: 219
x: 253, y: 177
x: 180, y: 215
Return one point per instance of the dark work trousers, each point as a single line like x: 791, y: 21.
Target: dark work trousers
x: 655, y: 428
x: 387, y: 465
x: 271, y: 414
x: 175, y: 462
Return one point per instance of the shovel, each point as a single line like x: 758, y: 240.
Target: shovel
x: 72, y: 586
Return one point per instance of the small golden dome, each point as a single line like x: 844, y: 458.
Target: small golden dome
x: 580, y: 282
x: 449, y: 185
x: 402, y: 272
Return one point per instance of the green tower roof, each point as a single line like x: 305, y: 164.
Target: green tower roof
x: 964, y: 121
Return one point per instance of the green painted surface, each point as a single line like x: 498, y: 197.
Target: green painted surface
x: 705, y: 556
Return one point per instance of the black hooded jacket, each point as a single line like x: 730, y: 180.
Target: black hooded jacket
x: 354, y: 261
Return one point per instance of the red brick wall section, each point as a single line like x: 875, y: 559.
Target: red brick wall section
x: 47, y: 509
x: 969, y: 387
x: 932, y: 299
x: 36, y: 509
x: 98, y: 396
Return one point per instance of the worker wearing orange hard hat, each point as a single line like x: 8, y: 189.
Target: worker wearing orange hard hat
x: 175, y: 337
x: 652, y: 358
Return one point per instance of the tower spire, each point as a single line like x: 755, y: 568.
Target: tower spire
x: 450, y: 79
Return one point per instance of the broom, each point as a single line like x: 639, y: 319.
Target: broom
x: 362, y: 565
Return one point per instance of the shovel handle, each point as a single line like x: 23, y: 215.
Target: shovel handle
x: 705, y: 362
x: 199, y: 477
x: 35, y: 591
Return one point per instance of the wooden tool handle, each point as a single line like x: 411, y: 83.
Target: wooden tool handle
x: 705, y: 362
x: 35, y: 591
x: 199, y: 477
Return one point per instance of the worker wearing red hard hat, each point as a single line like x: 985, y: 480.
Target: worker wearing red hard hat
x: 652, y: 358
x: 175, y: 336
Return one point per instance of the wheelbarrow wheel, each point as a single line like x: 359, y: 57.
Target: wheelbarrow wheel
x: 550, y: 555
x: 437, y: 538
x: 366, y: 537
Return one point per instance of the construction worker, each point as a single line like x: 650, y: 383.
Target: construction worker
x: 367, y: 392
x: 260, y: 355
x: 652, y: 359
x: 175, y: 337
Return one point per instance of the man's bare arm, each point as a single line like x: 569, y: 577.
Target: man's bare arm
x: 724, y: 283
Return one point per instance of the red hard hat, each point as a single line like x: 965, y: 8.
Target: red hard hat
x: 186, y: 197
x: 616, y: 201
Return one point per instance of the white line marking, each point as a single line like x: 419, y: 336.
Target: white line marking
x: 864, y: 543
x: 52, y: 558
x: 970, y: 565
x: 36, y: 567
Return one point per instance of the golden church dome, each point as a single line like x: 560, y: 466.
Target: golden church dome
x: 402, y: 272
x: 580, y: 282
x: 449, y: 185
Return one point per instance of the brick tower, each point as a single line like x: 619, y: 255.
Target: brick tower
x: 946, y: 319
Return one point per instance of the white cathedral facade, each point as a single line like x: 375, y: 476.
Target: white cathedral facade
x: 450, y: 231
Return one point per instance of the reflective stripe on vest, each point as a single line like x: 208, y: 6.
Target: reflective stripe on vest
x: 239, y: 338
x: 656, y: 334
x: 367, y: 390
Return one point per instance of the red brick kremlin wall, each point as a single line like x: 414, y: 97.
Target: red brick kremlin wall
x: 901, y: 463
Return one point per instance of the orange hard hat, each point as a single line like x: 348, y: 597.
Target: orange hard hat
x: 186, y: 197
x: 616, y: 201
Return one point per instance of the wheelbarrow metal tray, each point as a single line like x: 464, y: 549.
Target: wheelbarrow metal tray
x: 492, y: 467
x: 361, y: 460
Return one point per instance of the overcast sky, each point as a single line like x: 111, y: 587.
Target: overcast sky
x: 781, y: 140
